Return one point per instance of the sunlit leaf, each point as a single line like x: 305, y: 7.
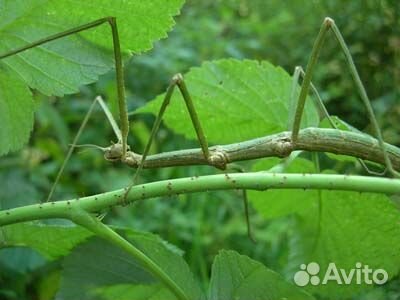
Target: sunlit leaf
x: 51, y: 241
x: 235, y: 100
x: 16, y: 112
x: 62, y: 66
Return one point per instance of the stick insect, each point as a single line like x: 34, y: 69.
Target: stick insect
x: 219, y: 157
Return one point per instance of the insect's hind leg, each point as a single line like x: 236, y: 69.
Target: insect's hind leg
x: 323, y: 112
x: 329, y: 24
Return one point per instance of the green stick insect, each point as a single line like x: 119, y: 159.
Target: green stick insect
x: 281, y: 145
x: 220, y: 157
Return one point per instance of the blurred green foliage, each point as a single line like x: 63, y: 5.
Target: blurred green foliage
x: 281, y: 32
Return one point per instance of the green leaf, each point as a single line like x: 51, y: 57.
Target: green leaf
x: 339, y: 227
x: 140, y: 292
x: 339, y: 123
x: 16, y: 112
x: 334, y: 226
x: 13, y: 197
x: 140, y: 23
x: 51, y: 241
x: 57, y: 68
x: 62, y: 66
x: 98, y: 269
x: 98, y: 263
x: 347, y: 228
x: 95, y: 267
x: 236, y: 276
x: 235, y: 100
x: 21, y: 260
x: 277, y: 203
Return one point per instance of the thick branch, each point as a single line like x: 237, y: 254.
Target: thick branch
x: 278, y: 145
x: 255, y: 181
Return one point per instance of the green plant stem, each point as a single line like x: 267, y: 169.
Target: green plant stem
x: 93, y: 224
x: 255, y: 181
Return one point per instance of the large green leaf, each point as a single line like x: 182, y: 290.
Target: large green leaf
x: 97, y: 269
x: 347, y: 228
x: 140, y: 23
x: 16, y: 112
x: 235, y: 100
x: 51, y: 241
x: 236, y: 276
x: 57, y: 68
x: 339, y: 227
x: 61, y: 66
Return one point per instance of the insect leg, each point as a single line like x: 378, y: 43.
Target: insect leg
x: 178, y: 81
x: 325, y: 114
x: 78, y: 134
x: 326, y: 25
x: 118, y: 66
x: 238, y: 168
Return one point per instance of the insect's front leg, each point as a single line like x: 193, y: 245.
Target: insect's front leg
x: 117, y: 150
x: 121, y: 134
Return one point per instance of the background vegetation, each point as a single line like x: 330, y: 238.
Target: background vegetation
x: 281, y: 32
